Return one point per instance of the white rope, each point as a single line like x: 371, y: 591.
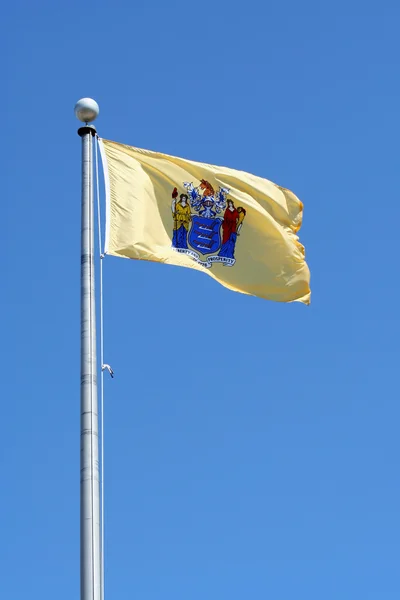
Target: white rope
x: 101, y: 375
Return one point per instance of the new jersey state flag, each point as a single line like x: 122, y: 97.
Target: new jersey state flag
x: 238, y: 228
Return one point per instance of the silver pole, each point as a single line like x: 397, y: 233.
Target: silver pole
x: 90, y: 497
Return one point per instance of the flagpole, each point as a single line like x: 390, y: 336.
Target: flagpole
x: 86, y: 111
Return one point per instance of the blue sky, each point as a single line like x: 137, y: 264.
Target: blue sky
x: 258, y: 460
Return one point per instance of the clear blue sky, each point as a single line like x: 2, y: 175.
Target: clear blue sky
x: 260, y: 460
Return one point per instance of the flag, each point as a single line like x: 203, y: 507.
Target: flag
x: 238, y: 228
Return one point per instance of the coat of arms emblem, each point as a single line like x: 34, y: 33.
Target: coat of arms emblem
x: 206, y: 223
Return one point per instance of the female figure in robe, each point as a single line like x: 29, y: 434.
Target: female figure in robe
x: 182, y: 216
x: 229, y: 231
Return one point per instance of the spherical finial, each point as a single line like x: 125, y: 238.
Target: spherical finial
x: 86, y: 110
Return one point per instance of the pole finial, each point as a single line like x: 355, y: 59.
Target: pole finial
x: 86, y: 110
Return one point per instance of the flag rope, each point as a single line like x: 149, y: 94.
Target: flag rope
x: 103, y: 366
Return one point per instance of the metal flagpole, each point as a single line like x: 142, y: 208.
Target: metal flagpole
x: 87, y: 110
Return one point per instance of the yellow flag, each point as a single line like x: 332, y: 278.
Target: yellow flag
x: 238, y: 228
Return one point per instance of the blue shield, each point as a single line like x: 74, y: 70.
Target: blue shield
x: 205, y: 236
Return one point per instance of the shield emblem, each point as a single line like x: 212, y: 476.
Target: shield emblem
x: 205, y: 236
